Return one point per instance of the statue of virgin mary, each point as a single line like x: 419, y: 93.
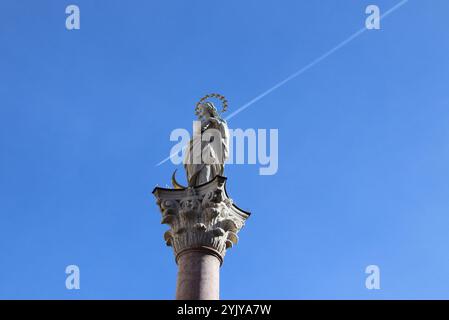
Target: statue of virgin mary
x: 208, y: 150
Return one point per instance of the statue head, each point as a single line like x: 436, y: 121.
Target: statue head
x: 208, y: 110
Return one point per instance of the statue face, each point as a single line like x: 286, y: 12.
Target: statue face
x: 205, y: 113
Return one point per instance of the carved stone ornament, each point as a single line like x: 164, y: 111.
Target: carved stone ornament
x: 200, y: 218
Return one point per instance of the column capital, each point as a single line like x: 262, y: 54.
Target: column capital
x: 200, y: 218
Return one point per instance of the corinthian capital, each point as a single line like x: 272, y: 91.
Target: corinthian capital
x: 200, y: 218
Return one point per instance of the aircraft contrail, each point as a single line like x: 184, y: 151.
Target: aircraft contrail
x: 313, y: 63
x: 303, y: 69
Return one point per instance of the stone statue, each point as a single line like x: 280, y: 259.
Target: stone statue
x: 208, y: 150
x: 203, y: 220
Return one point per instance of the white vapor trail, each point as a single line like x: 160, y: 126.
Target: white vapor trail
x: 313, y: 63
x: 303, y: 69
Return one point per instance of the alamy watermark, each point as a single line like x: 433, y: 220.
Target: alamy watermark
x: 372, y: 282
x: 72, y: 22
x: 72, y: 282
x: 373, y: 20
x: 249, y: 146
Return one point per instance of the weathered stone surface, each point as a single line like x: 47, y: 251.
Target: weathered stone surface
x: 200, y: 217
x: 198, y: 276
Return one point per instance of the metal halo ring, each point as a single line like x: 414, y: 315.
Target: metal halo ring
x: 220, y: 97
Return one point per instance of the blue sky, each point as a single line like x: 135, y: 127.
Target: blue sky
x: 363, y: 145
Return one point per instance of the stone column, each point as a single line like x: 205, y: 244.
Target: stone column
x: 198, y: 276
x: 204, y: 223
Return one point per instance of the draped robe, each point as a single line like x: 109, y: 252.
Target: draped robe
x: 207, y: 151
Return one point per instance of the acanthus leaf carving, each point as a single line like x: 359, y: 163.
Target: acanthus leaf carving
x: 200, y: 217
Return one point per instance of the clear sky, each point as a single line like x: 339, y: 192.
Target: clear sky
x: 85, y: 116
